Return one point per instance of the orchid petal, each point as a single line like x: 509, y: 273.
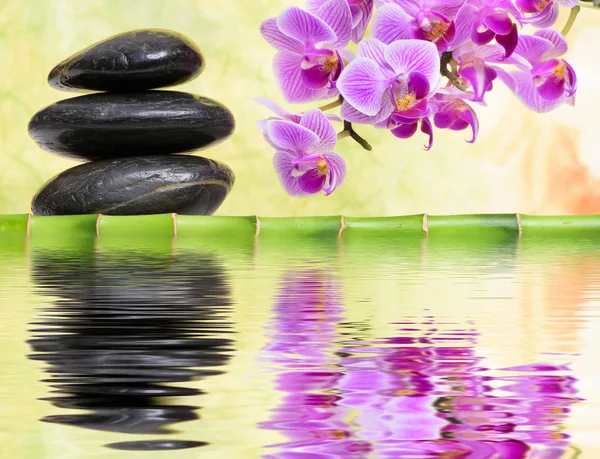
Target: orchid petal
x: 373, y: 49
x: 349, y: 113
x: 284, y: 166
x: 480, y: 76
x: 464, y: 24
x: 482, y: 38
x: 470, y: 117
x: 559, y: 43
x: 316, y: 77
x: 405, y: 131
x: 407, y: 56
x: 288, y: 72
x: 362, y: 85
x: 277, y: 109
x: 316, y: 121
x: 277, y: 39
x: 292, y: 137
x: 533, y: 48
x: 449, y: 8
x: 553, y: 88
x: 361, y: 13
x: 391, y: 23
x: 509, y: 41
x: 498, y: 22
x: 427, y: 129
x: 337, y: 15
x: 312, y: 6
x: 311, y: 181
x: 418, y: 83
x: 337, y: 173
x: 304, y: 27
x: 528, y: 93
x: 545, y: 18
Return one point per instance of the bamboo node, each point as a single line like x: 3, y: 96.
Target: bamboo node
x: 342, y: 225
x: 426, y: 223
x: 28, y: 227
x: 98, y: 224
x: 257, y: 226
x: 520, y: 224
x: 174, y: 217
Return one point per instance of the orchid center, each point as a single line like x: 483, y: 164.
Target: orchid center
x: 560, y: 70
x: 404, y: 102
x: 322, y: 166
x: 437, y: 28
x: 541, y: 5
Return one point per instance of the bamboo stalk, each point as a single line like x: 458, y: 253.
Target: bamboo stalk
x: 13, y: 224
x: 61, y: 227
x: 497, y: 226
x: 136, y: 226
x: 486, y: 226
x: 575, y: 225
x: 403, y: 225
x: 210, y: 227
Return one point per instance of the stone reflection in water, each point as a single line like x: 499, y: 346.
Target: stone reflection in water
x: 121, y: 330
x: 424, y: 393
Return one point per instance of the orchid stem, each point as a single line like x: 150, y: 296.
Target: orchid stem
x: 447, y: 59
x: 574, y: 12
x: 332, y: 105
x: 350, y: 132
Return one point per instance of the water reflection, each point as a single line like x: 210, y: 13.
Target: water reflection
x: 122, y: 330
x: 424, y: 393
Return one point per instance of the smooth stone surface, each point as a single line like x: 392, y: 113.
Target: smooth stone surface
x: 113, y: 125
x: 131, y: 61
x: 187, y: 185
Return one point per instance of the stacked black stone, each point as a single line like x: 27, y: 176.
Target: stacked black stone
x: 131, y: 133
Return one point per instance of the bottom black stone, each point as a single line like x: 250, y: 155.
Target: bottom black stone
x: 187, y: 185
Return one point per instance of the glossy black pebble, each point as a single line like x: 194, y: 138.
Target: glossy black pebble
x: 131, y: 61
x: 188, y: 185
x: 112, y: 125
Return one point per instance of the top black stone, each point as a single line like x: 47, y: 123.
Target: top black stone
x: 131, y: 61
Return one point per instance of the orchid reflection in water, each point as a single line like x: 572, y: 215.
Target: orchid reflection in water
x: 427, y: 64
x: 424, y: 393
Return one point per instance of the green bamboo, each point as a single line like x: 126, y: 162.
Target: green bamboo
x: 209, y: 229
x: 490, y: 226
x: 572, y: 226
x: 199, y: 227
x: 401, y: 225
x: 304, y: 226
x: 62, y: 227
x: 13, y: 224
x: 136, y: 226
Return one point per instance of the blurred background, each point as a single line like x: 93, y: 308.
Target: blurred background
x: 523, y: 161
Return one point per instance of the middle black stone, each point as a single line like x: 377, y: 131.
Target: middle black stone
x: 114, y: 125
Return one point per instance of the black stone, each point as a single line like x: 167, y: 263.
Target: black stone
x: 131, y: 61
x: 188, y: 185
x: 112, y: 125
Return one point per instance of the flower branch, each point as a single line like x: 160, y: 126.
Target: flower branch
x: 423, y: 68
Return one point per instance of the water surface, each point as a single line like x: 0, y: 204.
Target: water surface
x: 300, y: 348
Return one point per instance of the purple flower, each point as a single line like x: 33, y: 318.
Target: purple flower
x: 310, y: 48
x: 483, y: 20
x: 476, y: 69
x: 546, y: 81
x: 390, y: 85
x: 544, y: 13
x: 455, y: 113
x: 430, y: 20
x: 361, y: 10
x: 304, y: 160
